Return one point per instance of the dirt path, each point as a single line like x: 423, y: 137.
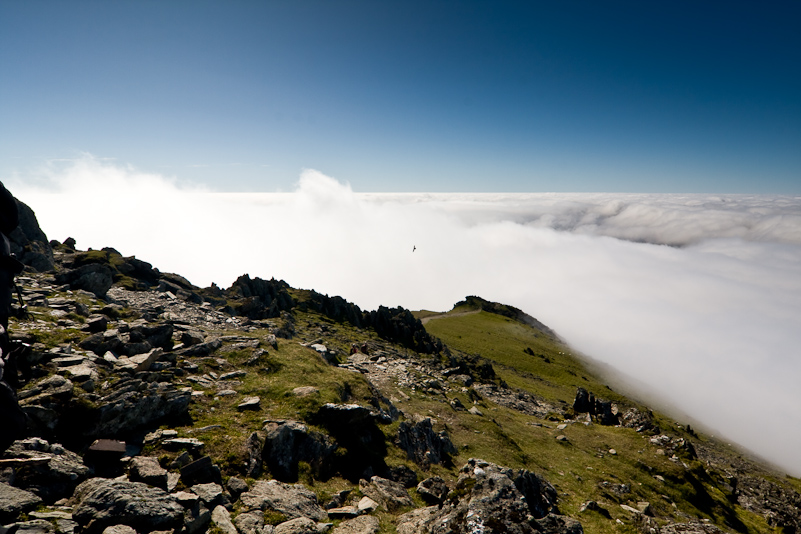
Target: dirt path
x: 448, y: 314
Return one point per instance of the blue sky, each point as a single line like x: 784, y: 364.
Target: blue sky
x: 412, y: 95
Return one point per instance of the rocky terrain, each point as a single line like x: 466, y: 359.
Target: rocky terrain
x: 153, y: 405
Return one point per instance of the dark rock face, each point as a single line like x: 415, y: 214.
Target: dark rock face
x: 603, y: 410
x: 101, y: 503
x: 361, y: 443
x: 540, y: 495
x: 423, y: 445
x: 404, y: 475
x: 102, y: 342
x: 400, y: 326
x: 29, y: 243
x: 12, y: 417
x: 489, y: 498
x: 290, y: 442
x: 584, y: 401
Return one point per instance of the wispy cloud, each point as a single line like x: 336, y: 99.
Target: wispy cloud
x: 710, y: 323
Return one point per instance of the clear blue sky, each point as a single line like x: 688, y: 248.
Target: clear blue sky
x: 411, y: 95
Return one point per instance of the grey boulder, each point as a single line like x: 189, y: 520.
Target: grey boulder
x: 101, y: 503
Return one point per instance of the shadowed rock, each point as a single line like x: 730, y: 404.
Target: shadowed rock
x: 290, y: 442
x: 423, y: 445
x: 14, y: 501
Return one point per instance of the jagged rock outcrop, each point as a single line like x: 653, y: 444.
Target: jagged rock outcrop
x: 288, y: 442
x: 780, y: 506
x: 29, y: 243
x: 400, y: 326
x: 604, y: 411
x: 423, y: 445
x: 262, y: 299
x: 361, y: 443
x: 491, y: 498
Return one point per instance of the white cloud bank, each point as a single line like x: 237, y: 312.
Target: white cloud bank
x: 712, y: 323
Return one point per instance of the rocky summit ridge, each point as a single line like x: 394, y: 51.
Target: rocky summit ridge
x: 153, y: 405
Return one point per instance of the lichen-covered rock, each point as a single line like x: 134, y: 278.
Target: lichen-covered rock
x: 93, y: 277
x: 391, y: 495
x: 14, y: 501
x: 100, y: 503
x: 221, y: 519
x: 491, y: 498
x: 250, y: 522
x: 292, y: 500
x: 365, y: 524
x: 147, y: 469
x: 299, y: 525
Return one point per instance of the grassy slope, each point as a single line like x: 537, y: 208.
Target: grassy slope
x: 580, y: 467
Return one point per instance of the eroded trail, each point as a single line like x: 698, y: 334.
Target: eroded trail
x: 424, y: 320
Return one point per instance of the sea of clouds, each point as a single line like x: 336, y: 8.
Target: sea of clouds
x: 695, y: 298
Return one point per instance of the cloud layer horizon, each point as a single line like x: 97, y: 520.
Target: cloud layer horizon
x: 696, y: 298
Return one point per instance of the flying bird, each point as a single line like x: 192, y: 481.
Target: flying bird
x: 414, y: 247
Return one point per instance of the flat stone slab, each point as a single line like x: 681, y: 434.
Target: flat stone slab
x: 250, y: 403
x: 108, y: 445
x: 365, y: 524
x: 344, y: 512
x: 175, y: 444
x: 69, y: 361
x: 232, y: 375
